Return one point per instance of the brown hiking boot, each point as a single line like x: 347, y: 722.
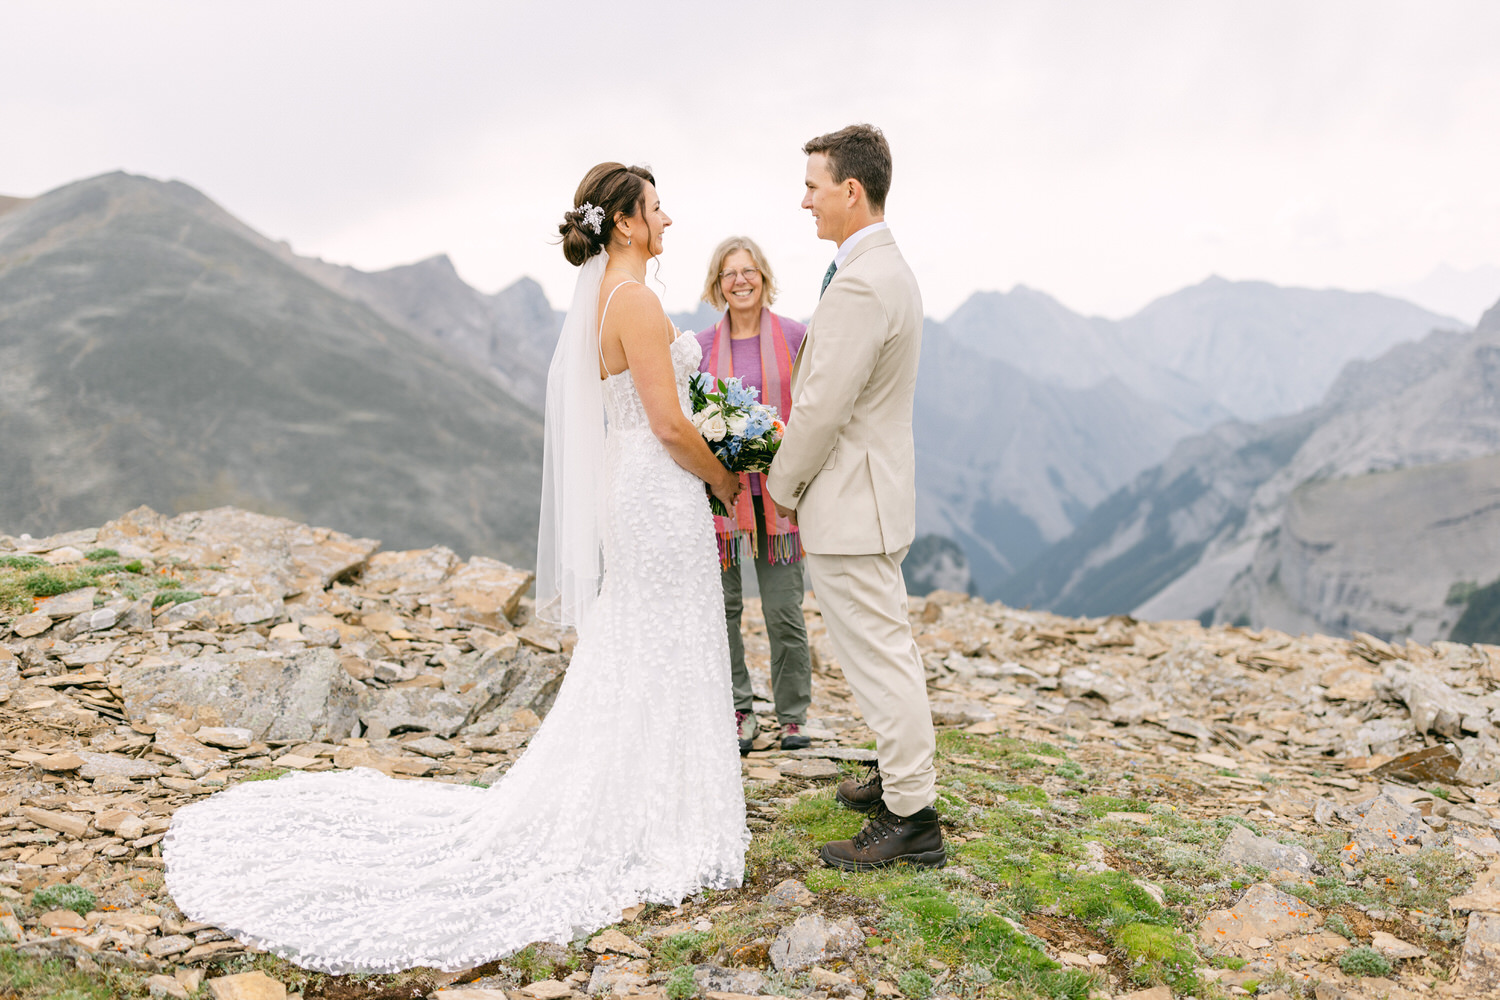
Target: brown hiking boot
x: 888, y: 839
x: 861, y: 796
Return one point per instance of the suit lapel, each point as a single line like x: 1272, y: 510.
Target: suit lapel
x: 876, y: 239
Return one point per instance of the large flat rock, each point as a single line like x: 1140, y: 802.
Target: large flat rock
x: 307, y: 697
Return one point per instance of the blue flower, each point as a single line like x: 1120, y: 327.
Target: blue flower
x: 757, y: 423
x: 736, y: 393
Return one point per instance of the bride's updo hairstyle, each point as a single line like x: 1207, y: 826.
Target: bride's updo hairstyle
x: 610, y: 188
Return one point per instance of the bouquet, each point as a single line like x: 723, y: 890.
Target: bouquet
x: 742, y: 433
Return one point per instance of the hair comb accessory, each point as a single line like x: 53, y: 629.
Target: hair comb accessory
x: 593, y: 216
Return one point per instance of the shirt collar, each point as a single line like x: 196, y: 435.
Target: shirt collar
x: 847, y: 247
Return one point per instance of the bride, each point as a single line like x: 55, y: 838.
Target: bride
x: 630, y: 791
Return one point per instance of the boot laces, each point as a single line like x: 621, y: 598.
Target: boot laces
x: 880, y: 824
x: 872, y: 778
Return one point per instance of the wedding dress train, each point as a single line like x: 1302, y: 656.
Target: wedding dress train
x: 629, y: 792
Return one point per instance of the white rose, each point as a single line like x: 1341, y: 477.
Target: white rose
x: 714, y: 428
x: 736, y: 425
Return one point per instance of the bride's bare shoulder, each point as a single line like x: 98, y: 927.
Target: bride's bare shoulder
x: 633, y: 305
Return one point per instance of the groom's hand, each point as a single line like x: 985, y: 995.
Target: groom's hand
x: 790, y: 513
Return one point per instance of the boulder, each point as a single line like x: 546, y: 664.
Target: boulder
x: 415, y: 571
x: 1263, y: 912
x: 1479, y: 965
x: 272, y: 553
x: 397, y: 709
x: 485, y: 592
x: 75, y: 602
x: 718, y: 979
x: 812, y: 940
x: 308, y: 697
x: 1285, y: 860
x: 1388, y: 824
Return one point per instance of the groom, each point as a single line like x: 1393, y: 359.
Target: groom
x: 846, y: 474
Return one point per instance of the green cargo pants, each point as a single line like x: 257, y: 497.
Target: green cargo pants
x: 781, y: 602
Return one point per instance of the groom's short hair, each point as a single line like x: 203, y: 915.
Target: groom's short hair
x: 861, y: 152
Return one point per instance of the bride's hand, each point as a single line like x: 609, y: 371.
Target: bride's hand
x: 727, y: 488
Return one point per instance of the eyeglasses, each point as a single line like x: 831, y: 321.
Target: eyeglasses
x: 749, y: 273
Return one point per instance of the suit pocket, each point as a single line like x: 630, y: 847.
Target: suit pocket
x: 832, y: 459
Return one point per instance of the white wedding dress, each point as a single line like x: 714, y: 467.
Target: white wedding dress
x: 629, y: 792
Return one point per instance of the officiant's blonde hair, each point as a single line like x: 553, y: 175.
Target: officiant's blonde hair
x: 714, y: 295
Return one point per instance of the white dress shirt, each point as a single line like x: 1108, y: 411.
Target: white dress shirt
x: 847, y: 247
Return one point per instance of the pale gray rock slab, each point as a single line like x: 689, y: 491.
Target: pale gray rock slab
x: 75, y: 602
x: 813, y: 939
x: 1080, y: 681
x: 718, y: 979
x: 1393, y: 947
x: 1184, y: 726
x: 1479, y: 965
x: 532, y: 686
x: 415, y: 571
x: 618, y: 976
x: 91, y: 655
x: 1245, y: 848
x: 788, y: 892
x: 93, y: 620
x: 196, y: 758
x: 1263, y: 912
x: 959, y: 712
x: 227, y: 737
x: 31, y: 624
x: 834, y: 753
x: 174, y: 944
x: 307, y: 697
x: 233, y: 609
x: 430, y: 746
x: 1389, y: 824
x: 384, y: 712
x: 613, y: 942
x: 108, y: 765
x: 810, y: 770
x: 1434, y: 705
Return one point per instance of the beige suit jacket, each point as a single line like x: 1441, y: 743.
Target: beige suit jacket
x: 847, y: 462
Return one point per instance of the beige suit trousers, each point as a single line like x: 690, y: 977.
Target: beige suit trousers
x: 863, y: 602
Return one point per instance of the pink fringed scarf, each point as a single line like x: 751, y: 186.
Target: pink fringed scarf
x: 736, y: 533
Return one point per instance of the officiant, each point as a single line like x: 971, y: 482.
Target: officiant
x: 758, y: 346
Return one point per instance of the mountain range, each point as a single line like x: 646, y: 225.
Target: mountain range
x: 155, y: 350
x: 1377, y: 510
x: 1029, y: 415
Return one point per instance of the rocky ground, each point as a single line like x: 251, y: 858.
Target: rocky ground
x: 1141, y: 809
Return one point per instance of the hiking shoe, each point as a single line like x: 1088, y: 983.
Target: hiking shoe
x: 888, y: 839
x: 861, y: 795
x: 746, y: 727
x: 792, y: 737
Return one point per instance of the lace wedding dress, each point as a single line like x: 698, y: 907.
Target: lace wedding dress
x: 629, y: 792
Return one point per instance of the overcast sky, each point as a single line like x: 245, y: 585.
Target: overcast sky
x: 1106, y: 153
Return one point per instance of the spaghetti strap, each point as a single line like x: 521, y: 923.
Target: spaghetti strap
x: 604, y: 312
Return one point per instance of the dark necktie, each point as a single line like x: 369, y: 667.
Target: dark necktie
x: 827, y: 277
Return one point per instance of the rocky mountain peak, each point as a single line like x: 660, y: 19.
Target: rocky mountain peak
x: 1490, y: 321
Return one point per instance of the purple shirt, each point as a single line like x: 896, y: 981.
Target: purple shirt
x: 746, y: 358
